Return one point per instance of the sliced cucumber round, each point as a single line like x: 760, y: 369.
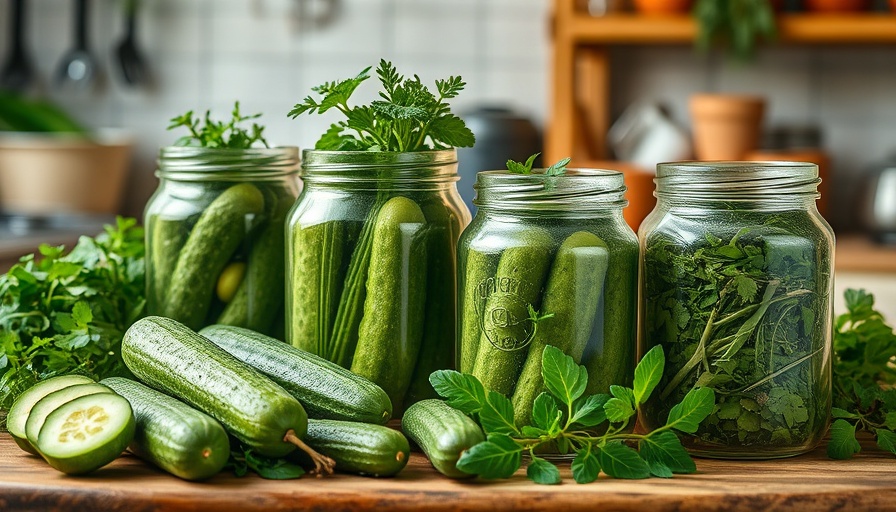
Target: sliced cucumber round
x: 87, y: 433
x: 21, y: 408
x: 49, y: 403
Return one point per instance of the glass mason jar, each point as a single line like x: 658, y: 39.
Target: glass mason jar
x: 371, y: 265
x: 736, y: 285
x: 547, y: 261
x: 215, y: 236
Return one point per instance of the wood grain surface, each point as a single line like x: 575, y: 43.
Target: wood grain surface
x: 806, y: 483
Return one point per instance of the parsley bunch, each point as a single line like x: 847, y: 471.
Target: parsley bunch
x: 864, y: 377
x: 67, y: 313
x: 219, y: 134
x: 565, y: 419
x: 408, y: 117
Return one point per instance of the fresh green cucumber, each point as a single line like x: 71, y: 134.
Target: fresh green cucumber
x: 21, y: 408
x: 260, y: 294
x: 325, y: 389
x: 443, y: 433
x: 478, y: 268
x: 167, y: 238
x: 172, y: 435
x: 507, y: 326
x: 613, y: 361
x: 392, y: 326
x: 86, y: 433
x: 51, y: 402
x: 213, y: 240
x: 360, y: 448
x: 572, y: 295
x: 170, y: 357
x: 440, y: 319
x: 317, y: 275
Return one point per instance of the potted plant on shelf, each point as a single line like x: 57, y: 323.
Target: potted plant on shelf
x: 734, y: 25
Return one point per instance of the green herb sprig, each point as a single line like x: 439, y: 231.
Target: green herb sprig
x: 219, y: 134
x: 864, y: 378
x: 242, y: 460
x: 558, y: 169
x: 67, y: 313
x: 409, y: 117
x: 568, y: 420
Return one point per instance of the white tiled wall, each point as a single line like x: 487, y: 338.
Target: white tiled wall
x: 268, y: 53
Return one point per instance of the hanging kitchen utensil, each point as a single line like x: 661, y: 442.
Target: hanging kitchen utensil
x: 132, y: 64
x: 79, y: 69
x: 17, y: 73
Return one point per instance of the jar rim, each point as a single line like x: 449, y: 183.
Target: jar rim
x: 331, y: 160
x: 583, y: 190
x: 196, y: 163
x: 767, y: 181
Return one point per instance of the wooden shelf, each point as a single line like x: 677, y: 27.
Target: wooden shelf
x: 579, y: 103
x: 871, y: 28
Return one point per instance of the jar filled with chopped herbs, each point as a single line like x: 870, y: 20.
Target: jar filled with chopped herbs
x: 215, y: 226
x: 371, y: 240
x: 548, y: 260
x: 736, y: 287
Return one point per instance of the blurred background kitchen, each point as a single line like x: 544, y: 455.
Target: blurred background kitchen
x: 604, y: 81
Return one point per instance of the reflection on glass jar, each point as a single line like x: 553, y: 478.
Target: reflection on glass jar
x: 214, y: 236
x: 548, y: 260
x: 736, y: 288
x: 371, y: 265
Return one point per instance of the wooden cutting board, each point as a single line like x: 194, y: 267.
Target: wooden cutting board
x: 806, y: 483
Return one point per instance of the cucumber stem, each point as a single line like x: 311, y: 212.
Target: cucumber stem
x: 322, y: 463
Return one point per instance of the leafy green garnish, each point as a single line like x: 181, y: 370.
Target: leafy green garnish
x: 242, y: 460
x: 409, y: 117
x: 67, y: 313
x: 565, y: 419
x: 558, y: 169
x: 864, y: 370
x: 219, y: 134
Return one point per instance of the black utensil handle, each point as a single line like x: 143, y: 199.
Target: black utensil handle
x: 18, y: 26
x: 81, y: 24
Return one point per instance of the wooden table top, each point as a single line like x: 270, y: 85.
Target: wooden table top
x: 806, y: 483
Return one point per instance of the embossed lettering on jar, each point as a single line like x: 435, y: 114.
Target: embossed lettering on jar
x: 736, y: 287
x: 548, y: 260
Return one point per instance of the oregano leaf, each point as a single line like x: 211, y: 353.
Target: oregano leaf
x: 498, y: 457
x: 543, y: 472
x: 462, y: 391
x: 697, y: 404
x: 843, y: 443
x: 562, y: 376
x: 620, y: 461
x: 496, y: 415
x: 585, y: 467
x: 648, y: 373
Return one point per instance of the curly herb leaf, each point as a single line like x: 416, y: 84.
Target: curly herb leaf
x: 408, y: 117
x: 566, y: 421
x: 208, y: 133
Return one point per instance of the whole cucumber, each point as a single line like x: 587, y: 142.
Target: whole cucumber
x: 572, y: 295
x: 392, y: 325
x: 214, y: 238
x: 172, y: 435
x: 360, y: 448
x: 479, y: 267
x: 260, y: 293
x: 317, y: 275
x: 443, y: 433
x: 168, y: 356
x: 613, y: 361
x: 325, y: 389
x: 440, y: 318
x: 167, y: 238
x: 507, y: 327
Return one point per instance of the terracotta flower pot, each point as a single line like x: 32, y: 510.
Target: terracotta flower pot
x: 836, y: 5
x: 726, y: 126
x: 662, y: 7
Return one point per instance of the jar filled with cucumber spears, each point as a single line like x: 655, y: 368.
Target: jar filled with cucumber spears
x: 548, y: 260
x: 371, y: 265
x: 215, y: 236
x: 737, y: 280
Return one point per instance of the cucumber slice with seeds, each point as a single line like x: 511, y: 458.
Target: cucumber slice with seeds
x: 87, y: 433
x: 51, y: 402
x: 21, y: 408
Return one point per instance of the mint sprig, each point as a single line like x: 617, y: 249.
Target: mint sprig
x: 558, y: 169
x: 208, y: 133
x: 567, y: 419
x: 408, y: 117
